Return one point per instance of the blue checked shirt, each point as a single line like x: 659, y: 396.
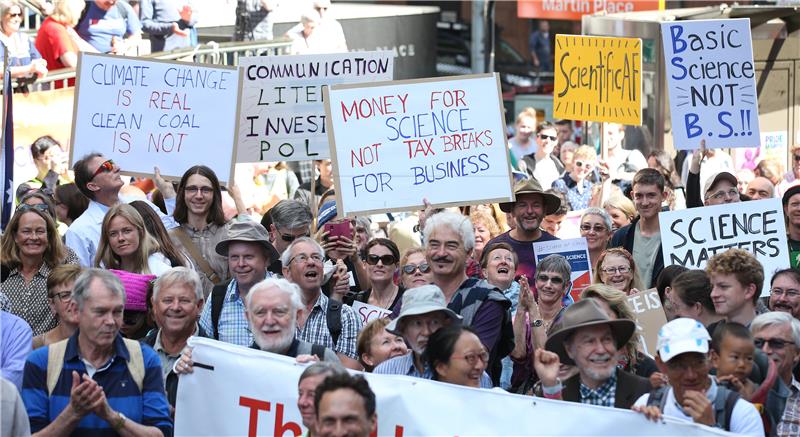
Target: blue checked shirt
x: 315, y: 330
x: 233, y: 326
x: 603, y: 395
x: 404, y: 365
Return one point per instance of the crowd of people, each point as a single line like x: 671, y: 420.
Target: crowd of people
x: 121, y: 26
x: 105, y: 279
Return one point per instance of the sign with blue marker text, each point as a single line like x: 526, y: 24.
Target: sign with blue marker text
x: 394, y: 144
x: 282, y: 114
x: 145, y: 113
x: 576, y: 252
x: 711, y: 82
x: 690, y: 237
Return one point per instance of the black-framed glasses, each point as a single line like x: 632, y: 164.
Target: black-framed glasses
x: 614, y: 270
x: 385, y: 259
x: 193, y: 189
x: 411, y: 268
x: 105, y: 167
x: 774, y: 343
x: 289, y: 237
x: 15, y: 14
x: 548, y: 137
x: 556, y: 280
x: 63, y: 296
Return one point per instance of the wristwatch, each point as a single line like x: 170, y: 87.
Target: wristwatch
x: 119, y: 422
x: 537, y: 323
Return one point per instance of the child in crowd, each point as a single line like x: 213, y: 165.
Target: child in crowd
x: 732, y: 355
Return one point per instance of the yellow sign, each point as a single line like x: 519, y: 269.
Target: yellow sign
x: 598, y: 79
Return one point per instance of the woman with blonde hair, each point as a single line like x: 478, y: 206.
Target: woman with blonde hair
x: 57, y: 40
x: 126, y: 245
x: 522, y: 143
x: 24, y: 61
x: 616, y: 268
x: 621, y: 210
x: 574, y: 185
x: 615, y: 302
x: 485, y: 228
x: 30, y: 249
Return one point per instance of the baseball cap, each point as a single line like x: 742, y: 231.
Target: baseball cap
x: 794, y: 189
x: 680, y: 336
x: 716, y: 177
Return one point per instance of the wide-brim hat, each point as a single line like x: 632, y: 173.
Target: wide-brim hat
x: 583, y: 314
x: 421, y: 300
x: 532, y: 186
x: 247, y: 231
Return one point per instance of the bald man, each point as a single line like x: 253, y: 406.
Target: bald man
x: 760, y: 188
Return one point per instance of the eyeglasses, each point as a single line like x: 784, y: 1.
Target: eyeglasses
x: 497, y: 258
x: 192, y: 189
x: 385, y: 259
x: 15, y: 14
x: 774, y: 343
x: 614, y: 270
x: 472, y: 358
x: 580, y: 164
x: 303, y: 258
x: 411, y: 268
x: 289, y: 237
x: 64, y: 296
x: 597, y: 228
x: 556, y: 280
x: 791, y: 294
x: 732, y: 193
x: 548, y: 137
x: 105, y: 167
x: 39, y: 206
x: 321, y: 8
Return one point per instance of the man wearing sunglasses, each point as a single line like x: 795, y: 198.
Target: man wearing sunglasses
x: 777, y: 334
x: 290, y: 219
x: 98, y: 178
x: 542, y: 164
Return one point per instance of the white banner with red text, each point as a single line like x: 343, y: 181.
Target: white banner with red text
x: 241, y: 391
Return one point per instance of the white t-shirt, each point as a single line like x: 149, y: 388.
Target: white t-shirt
x: 745, y: 419
x: 546, y: 172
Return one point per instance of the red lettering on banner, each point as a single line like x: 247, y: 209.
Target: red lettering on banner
x: 398, y: 431
x: 281, y: 428
x: 255, y: 406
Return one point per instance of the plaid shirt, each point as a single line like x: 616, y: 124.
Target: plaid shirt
x: 789, y: 426
x: 315, y: 330
x: 404, y: 365
x: 233, y: 326
x: 603, y: 395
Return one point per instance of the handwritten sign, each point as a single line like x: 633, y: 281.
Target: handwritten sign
x: 395, y: 143
x: 598, y: 79
x: 576, y: 253
x: 368, y: 313
x: 143, y: 113
x: 691, y: 237
x: 711, y: 82
x: 282, y: 114
x: 650, y: 318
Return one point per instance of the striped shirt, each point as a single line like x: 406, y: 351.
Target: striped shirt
x: 404, y: 365
x: 603, y: 396
x: 148, y: 407
x: 315, y: 330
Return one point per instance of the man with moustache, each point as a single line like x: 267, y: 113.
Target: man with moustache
x: 784, y: 295
x: 589, y: 339
x: 528, y: 210
x: 450, y: 239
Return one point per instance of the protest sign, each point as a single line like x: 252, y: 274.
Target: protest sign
x: 598, y: 79
x: 773, y: 147
x: 395, y: 143
x: 576, y: 252
x: 650, y: 318
x: 711, y: 83
x: 368, y: 313
x: 146, y: 113
x: 255, y: 393
x: 690, y: 237
x: 282, y: 114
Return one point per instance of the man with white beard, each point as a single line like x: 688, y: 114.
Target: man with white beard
x: 272, y: 308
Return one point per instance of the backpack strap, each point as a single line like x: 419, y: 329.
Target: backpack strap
x: 319, y: 351
x: 199, y: 259
x: 723, y: 407
x: 658, y: 397
x: 333, y: 317
x: 217, y: 300
x: 136, y: 362
x: 55, y: 363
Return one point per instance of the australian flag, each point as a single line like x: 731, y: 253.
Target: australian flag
x: 7, y: 157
